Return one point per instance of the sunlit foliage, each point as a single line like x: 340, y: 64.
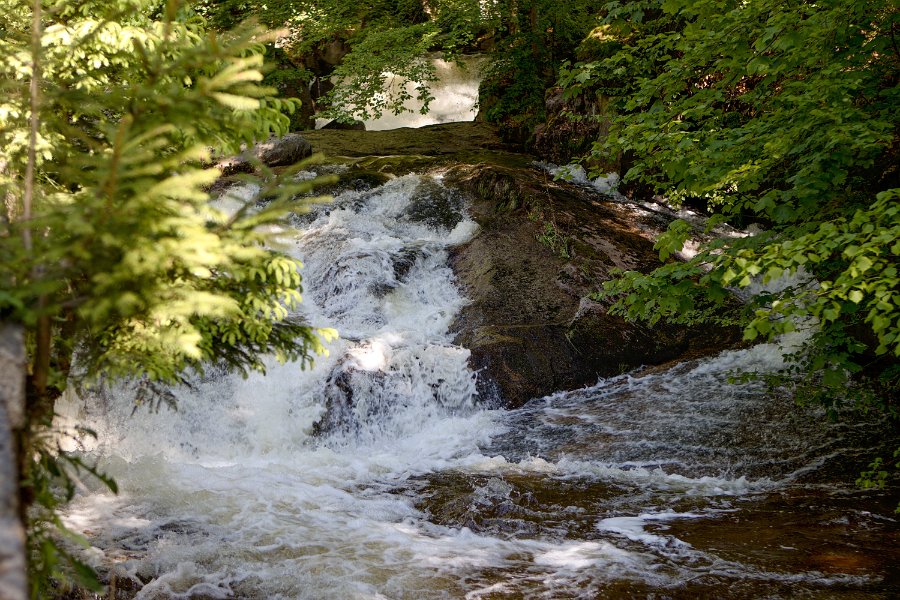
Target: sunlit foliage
x: 111, y: 253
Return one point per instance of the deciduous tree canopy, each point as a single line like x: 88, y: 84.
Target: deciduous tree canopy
x: 784, y: 115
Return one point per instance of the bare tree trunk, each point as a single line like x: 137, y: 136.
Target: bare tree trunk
x: 41, y: 369
x: 13, y: 580
x: 10, y: 204
x: 14, y: 406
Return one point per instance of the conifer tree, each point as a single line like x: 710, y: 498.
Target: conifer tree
x: 111, y: 254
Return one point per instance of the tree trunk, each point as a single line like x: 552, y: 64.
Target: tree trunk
x: 13, y: 580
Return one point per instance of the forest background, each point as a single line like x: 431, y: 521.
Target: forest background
x: 780, y: 117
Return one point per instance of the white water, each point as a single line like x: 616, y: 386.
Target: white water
x: 573, y: 173
x: 413, y: 490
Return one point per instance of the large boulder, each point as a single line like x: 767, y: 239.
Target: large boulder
x: 274, y: 152
x: 543, y: 247
x: 283, y: 151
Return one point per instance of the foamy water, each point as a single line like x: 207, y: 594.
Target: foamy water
x: 376, y: 474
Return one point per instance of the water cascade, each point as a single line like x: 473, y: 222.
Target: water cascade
x: 376, y: 474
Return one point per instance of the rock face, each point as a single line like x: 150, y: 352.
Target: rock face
x: 563, y: 138
x: 543, y: 247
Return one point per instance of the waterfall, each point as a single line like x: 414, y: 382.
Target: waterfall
x: 455, y: 96
x: 377, y: 474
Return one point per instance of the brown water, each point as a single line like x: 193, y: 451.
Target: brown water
x: 715, y: 491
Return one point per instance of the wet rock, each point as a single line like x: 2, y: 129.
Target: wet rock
x: 283, y: 151
x: 374, y: 387
x: 436, y: 206
x: 544, y: 246
x: 362, y: 181
x: 405, y: 260
x: 402, y: 263
x: 275, y: 152
x: 512, y: 505
x: 338, y: 402
x: 348, y: 179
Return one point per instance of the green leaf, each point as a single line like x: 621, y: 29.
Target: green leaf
x: 236, y: 102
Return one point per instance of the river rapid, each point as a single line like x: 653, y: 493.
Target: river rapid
x: 379, y: 473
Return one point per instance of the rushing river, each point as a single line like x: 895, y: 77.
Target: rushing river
x: 377, y: 474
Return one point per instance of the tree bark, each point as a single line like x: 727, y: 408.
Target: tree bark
x: 13, y: 579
